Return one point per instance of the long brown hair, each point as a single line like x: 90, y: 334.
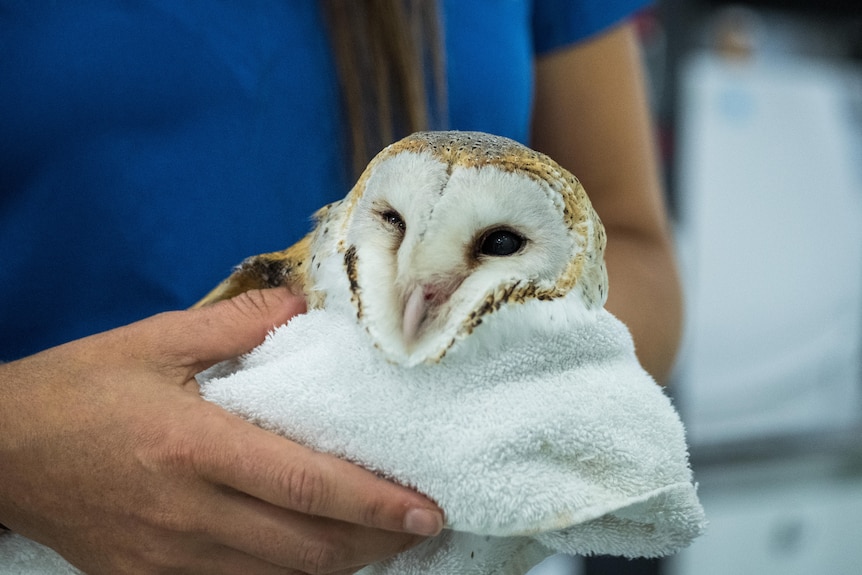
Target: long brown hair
x: 389, y: 55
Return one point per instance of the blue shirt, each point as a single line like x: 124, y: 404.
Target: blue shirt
x: 147, y: 147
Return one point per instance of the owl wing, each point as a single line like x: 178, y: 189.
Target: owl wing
x: 288, y: 268
x: 284, y: 268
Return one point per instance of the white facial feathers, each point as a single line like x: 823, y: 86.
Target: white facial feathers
x: 433, y: 240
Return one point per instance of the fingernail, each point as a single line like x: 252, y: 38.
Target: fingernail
x: 423, y: 522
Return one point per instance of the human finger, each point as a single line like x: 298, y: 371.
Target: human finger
x: 302, y: 542
x: 288, y: 475
x: 196, y: 339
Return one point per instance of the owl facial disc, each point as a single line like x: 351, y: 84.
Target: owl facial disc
x: 445, y: 228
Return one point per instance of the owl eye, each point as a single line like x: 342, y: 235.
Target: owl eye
x: 394, y: 219
x: 500, y: 243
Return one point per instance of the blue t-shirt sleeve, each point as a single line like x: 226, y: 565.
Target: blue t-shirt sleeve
x: 558, y: 23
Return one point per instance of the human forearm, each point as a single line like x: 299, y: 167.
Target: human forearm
x: 645, y: 293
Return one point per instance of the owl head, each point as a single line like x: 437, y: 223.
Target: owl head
x: 444, y: 229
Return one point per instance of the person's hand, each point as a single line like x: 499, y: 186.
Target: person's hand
x: 109, y: 456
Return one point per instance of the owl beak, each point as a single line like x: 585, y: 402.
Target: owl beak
x: 421, y: 303
x: 415, y: 310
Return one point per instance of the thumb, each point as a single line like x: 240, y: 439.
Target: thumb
x: 229, y: 328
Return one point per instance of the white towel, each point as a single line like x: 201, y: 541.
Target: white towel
x: 545, y: 435
x: 21, y: 556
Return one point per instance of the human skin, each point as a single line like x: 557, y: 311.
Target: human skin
x: 109, y: 455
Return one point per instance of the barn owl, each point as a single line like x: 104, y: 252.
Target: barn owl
x: 441, y: 230
x: 456, y: 343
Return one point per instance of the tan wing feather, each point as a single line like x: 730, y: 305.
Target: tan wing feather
x: 285, y: 268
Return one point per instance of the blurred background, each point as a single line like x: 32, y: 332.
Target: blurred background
x: 759, y: 108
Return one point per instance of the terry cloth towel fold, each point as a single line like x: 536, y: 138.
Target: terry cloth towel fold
x: 21, y: 556
x: 544, y: 435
